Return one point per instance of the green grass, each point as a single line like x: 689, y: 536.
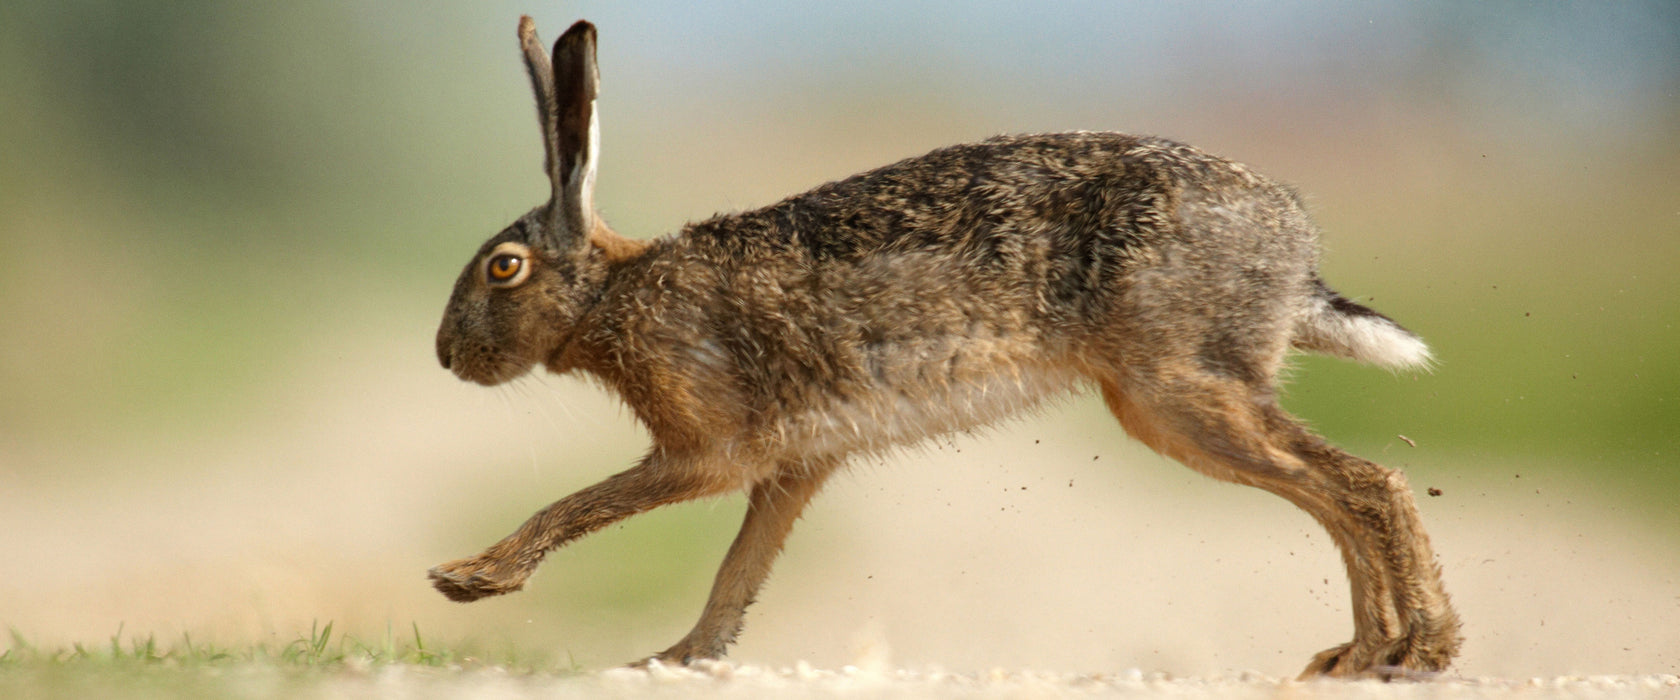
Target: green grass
x: 143, y: 666
x: 319, y: 649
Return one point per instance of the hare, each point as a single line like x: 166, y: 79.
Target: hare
x: 763, y: 349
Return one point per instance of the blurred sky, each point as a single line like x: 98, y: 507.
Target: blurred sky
x: 227, y: 230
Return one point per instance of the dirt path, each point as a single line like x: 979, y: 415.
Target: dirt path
x: 730, y: 681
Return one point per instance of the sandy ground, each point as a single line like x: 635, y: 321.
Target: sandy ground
x: 727, y: 680
x: 1052, y: 549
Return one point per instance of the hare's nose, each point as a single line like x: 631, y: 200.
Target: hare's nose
x: 443, y: 351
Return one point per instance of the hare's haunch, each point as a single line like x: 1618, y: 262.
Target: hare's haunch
x: 954, y: 289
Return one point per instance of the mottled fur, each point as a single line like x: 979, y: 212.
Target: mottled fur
x: 940, y: 293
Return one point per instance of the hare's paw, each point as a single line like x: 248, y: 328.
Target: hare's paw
x: 467, y: 580
x: 1413, y: 657
x: 684, y: 654
x: 1337, y: 661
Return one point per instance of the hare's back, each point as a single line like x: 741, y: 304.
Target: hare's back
x: 985, y: 202
x: 1048, y: 227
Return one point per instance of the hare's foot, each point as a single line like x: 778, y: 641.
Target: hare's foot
x: 684, y: 653
x: 467, y: 580
x: 1412, y: 657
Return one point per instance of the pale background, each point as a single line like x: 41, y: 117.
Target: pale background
x: 227, y: 231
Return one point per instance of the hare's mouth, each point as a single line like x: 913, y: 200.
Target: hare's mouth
x: 501, y: 374
x: 487, y: 367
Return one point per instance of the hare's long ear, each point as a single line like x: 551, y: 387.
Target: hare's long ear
x: 542, y: 83
x: 575, y: 139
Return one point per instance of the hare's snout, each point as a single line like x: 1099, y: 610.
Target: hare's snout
x: 474, y: 362
x: 444, y: 352
x: 478, y: 363
x: 469, y: 366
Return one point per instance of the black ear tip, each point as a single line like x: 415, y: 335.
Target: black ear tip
x: 580, y: 30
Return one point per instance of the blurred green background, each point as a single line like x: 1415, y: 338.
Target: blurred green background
x: 209, y: 212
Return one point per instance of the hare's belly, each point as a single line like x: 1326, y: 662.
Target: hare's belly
x: 905, y: 405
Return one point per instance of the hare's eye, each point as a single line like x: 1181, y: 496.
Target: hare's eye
x: 504, y: 268
x: 507, y: 265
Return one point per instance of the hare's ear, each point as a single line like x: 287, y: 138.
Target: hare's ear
x: 542, y: 83
x: 565, y: 91
x: 576, y: 136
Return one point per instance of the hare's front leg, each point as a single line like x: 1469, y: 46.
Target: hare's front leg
x: 773, y: 507
x: 504, y: 566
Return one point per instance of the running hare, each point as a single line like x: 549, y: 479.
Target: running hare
x: 763, y: 349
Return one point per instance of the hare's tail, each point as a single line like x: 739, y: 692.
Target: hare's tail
x: 1334, y: 325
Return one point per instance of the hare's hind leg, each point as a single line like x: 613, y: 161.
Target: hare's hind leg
x: 504, y: 566
x: 1232, y: 430
x: 772, y: 508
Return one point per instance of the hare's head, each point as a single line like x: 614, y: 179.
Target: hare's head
x: 517, y: 303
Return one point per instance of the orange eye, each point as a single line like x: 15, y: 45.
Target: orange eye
x: 503, y: 268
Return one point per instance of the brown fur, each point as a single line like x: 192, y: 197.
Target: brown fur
x: 764, y: 348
